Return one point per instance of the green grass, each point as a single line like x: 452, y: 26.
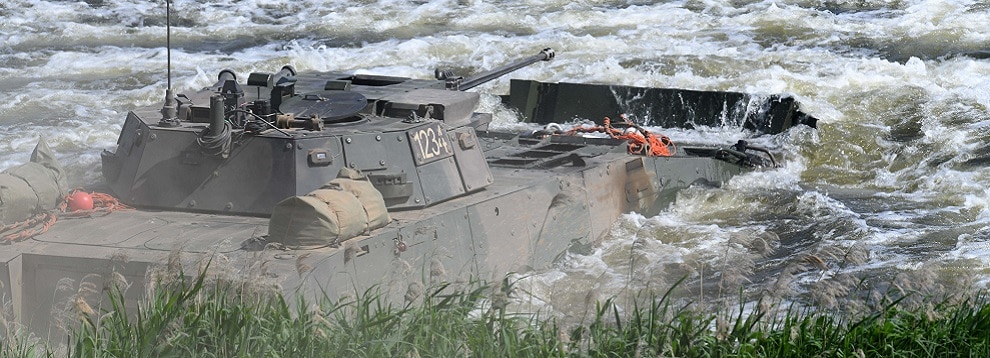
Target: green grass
x: 16, y: 344
x: 190, y: 318
x: 194, y: 317
x: 15, y: 341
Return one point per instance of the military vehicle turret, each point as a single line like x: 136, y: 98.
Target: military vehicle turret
x: 333, y: 182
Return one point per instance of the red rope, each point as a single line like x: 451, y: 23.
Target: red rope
x: 102, y: 204
x: 641, y: 141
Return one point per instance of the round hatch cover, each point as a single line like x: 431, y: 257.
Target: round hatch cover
x: 332, y: 106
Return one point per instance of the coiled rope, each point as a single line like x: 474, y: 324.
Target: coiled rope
x: 217, y: 144
x: 641, y: 141
x: 103, y: 204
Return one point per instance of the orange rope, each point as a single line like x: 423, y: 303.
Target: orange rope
x: 102, y: 203
x: 45, y: 219
x: 641, y: 142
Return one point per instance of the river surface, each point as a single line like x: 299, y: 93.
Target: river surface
x: 890, y: 194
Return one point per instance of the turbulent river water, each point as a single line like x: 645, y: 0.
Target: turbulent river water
x: 890, y: 193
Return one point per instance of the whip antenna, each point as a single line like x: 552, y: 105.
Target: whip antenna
x: 169, y: 109
x: 168, y: 41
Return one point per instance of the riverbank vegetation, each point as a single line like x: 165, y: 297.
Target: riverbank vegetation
x: 196, y: 316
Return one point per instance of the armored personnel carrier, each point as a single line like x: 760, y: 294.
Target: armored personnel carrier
x: 327, y: 183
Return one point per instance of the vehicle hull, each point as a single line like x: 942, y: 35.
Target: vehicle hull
x: 527, y: 219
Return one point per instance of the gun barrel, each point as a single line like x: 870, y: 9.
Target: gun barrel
x: 546, y: 54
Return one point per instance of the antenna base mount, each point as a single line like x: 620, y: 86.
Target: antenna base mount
x: 169, y: 111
